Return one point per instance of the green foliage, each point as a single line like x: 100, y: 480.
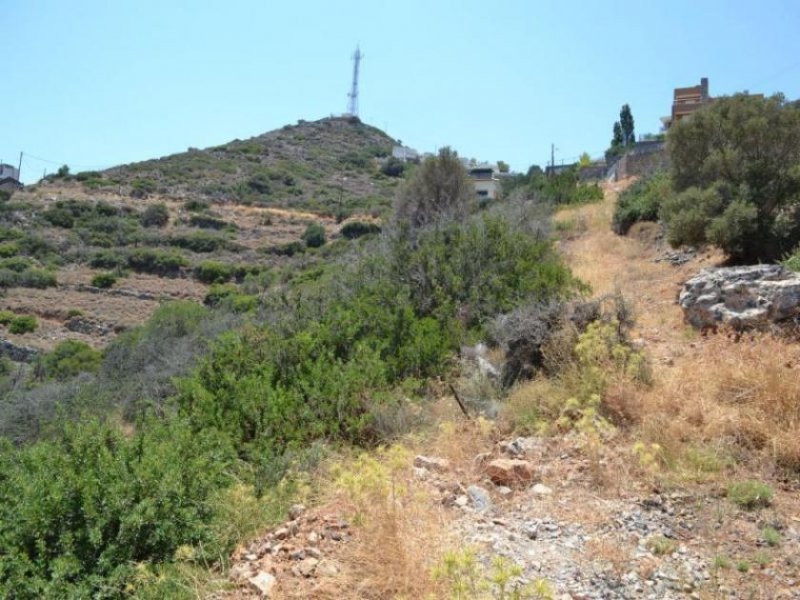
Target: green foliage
x: 314, y: 235
x: 6, y: 316
x: 76, y: 514
x: 108, y: 259
x: 69, y: 358
x: 17, y: 272
x: 439, y: 190
x: 750, y: 494
x: 465, y: 578
x: 104, y: 280
x: 205, y: 221
x: 195, y: 205
x: 562, y: 188
x: 393, y: 167
x: 736, y: 166
x: 63, y: 171
x: 8, y: 249
x: 201, y: 242
x: 661, y: 546
x: 155, y: 215
x: 771, y: 536
x: 213, y: 272
x: 23, y: 324
x: 641, y: 202
x: 142, y: 188
x: 159, y: 262
x: 356, y: 229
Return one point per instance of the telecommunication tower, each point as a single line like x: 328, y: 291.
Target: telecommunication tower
x: 352, y: 104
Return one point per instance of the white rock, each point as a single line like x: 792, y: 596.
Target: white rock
x: 264, y: 583
x: 541, y: 490
x: 431, y: 463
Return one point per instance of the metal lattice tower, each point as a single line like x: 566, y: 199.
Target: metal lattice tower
x: 352, y: 104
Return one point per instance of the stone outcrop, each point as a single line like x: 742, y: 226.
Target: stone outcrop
x: 751, y: 297
x: 510, y: 472
x: 17, y: 353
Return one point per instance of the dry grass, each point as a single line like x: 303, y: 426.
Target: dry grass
x: 713, y: 399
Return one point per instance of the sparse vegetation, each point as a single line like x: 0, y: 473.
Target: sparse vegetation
x: 104, y: 280
x: 750, y: 494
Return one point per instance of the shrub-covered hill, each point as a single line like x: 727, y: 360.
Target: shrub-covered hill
x: 325, y: 166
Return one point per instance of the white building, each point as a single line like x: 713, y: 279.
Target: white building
x: 486, y: 181
x: 8, y: 171
x: 405, y: 154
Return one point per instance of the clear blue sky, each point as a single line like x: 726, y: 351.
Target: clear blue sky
x: 94, y: 83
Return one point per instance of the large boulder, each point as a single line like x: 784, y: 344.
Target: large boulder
x: 751, y: 297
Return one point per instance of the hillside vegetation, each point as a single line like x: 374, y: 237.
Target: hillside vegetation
x: 339, y: 353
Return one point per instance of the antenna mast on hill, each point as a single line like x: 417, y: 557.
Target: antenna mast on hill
x: 352, y: 104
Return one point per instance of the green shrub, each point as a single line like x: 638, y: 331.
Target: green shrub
x: 195, y: 205
x: 157, y: 262
x: 104, y: 280
x: 88, y: 175
x: 200, y: 242
x: 23, y: 324
x: 108, y: 259
x: 69, y: 358
x: 6, y: 316
x: 734, y: 166
x: 77, y: 514
x: 641, y: 202
x: 210, y: 222
x: 219, y: 292
x: 213, y: 272
x: 750, y: 494
x: 59, y: 217
x: 356, y: 229
x: 36, y: 278
x: 141, y: 188
x: 8, y: 249
x: 393, y: 167
x: 314, y: 235
x: 288, y: 249
x: 155, y: 215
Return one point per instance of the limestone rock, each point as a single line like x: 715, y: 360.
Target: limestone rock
x: 480, y: 498
x: 263, y: 583
x: 750, y: 297
x: 510, y: 471
x: 439, y: 465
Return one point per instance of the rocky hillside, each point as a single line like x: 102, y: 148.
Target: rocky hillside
x: 325, y: 166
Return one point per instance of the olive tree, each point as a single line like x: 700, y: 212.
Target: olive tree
x: 735, y: 166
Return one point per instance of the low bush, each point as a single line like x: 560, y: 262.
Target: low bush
x: 155, y: 215
x: 314, y: 235
x: 69, y: 358
x: 142, y: 188
x: 104, y: 280
x: 750, y: 494
x: 641, y: 202
x: 23, y: 324
x: 158, y: 262
x: 356, y: 229
x: 288, y: 249
x: 195, y: 205
x: 210, y: 222
x: 200, y: 242
x: 8, y: 249
x: 213, y: 272
x: 108, y: 259
x: 6, y: 316
x: 28, y: 276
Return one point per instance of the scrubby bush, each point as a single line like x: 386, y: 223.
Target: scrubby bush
x: 356, y: 229
x: 210, y: 222
x: 750, y: 494
x: 195, y: 205
x: 736, y: 168
x: 288, y: 249
x: 69, y: 358
x: 314, y: 235
x: 439, y: 190
x: 213, y: 272
x: 23, y: 324
x: 142, y: 188
x: 6, y: 316
x: 104, y: 280
x: 158, y: 262
x: 8, y: 249
x: 393, y: 167
x: 108, y: 259
x: 155, y: 215
x: 641, y: 202
x: 200, y: 242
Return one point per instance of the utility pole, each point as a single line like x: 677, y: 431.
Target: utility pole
x: 552, y: 159
x: 19, y: 171
x: 352, y: 105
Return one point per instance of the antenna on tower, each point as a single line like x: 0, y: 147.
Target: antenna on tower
x: 352, y: 104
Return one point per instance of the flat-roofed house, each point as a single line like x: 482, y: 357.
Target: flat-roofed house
x: 687, y: 100
x: 486, y: 182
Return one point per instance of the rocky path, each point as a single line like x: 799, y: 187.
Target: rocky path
x: 577, y: 515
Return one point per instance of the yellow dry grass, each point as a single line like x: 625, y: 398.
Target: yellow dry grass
x: 714, y: 400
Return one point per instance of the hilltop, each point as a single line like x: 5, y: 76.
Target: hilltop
x: 325, y: 166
